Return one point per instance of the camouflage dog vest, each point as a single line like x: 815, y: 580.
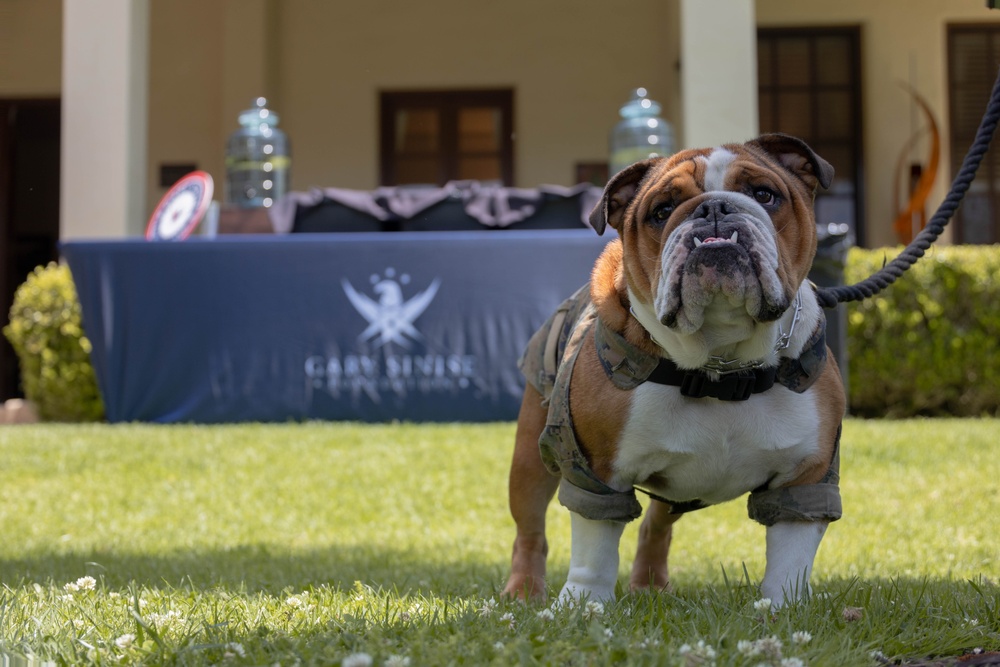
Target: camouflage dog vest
x: 547, y: 364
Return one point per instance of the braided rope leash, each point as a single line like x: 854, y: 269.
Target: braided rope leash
x: 829, y: 297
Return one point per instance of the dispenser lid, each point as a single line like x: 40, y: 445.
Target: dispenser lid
x: 639, y: 105
x: 259, y: 114
x: 181, y: 209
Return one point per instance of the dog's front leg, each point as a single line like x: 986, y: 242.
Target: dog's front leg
x: 531, y: 488
x: 593, y: 563
x: 791, y: 550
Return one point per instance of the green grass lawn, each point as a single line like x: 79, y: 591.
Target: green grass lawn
x: 388, y: 544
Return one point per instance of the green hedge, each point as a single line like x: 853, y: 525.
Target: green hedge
x: 928, y: 344
x: 54, y: 355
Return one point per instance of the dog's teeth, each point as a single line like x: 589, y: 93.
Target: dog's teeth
x: 697, y: 242
x: 733, y: 237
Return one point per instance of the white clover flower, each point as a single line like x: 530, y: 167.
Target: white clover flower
x: 498, y: 646
x: 593, y: 609
x: 86, y: 583
x: 748, y: 648
x: 699, y: 654
x: 792, y: 662
x: 66, y: 598
x: 132, y: 602
x: 397, y: 661
x: 489, y: 606
x: 236, y: 649
x: 764, y: 604
x: 293, y: 601
x: 114, y: 595
x: 608, y: 634
x: 357, y: 660
x: 71, y: 587
x: 125, y: 641
x: 167, y: 619
x: 508, y: 617
x: 801, y: 637
x: 546, y: 615
x: 770, y: 646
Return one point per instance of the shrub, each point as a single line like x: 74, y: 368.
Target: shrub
x: 53, y: 352
x: 927, y: 344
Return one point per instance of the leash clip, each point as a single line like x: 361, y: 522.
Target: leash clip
x: 785, y: 339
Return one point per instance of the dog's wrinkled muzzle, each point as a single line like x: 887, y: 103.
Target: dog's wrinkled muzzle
x: 725, y: 251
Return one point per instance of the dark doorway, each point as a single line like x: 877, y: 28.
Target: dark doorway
x: 29, y: 206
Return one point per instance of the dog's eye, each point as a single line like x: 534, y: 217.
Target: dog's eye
x: 662, y: 212
x: 764, y: 196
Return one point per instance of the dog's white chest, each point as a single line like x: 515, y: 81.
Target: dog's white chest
x: 686, y: 449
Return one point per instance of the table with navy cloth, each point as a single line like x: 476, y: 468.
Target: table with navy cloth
x: 421, y: 326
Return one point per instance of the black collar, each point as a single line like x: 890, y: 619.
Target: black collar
x: 735, y: 386
x: 628, y: 367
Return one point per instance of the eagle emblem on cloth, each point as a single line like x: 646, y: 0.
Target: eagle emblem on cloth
x: 391, y: 317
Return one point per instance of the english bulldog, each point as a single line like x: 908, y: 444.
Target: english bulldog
x: 693, y: 367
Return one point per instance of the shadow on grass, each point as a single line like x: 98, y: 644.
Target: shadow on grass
x: 262, y: 568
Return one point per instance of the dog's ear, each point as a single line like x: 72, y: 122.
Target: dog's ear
x: 617, y: 194
x: 797, y: 157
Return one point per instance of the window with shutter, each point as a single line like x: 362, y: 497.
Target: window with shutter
x: 809, y: 86
x: 973, y: 57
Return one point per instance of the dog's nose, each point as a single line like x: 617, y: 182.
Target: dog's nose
x: 713, y: 210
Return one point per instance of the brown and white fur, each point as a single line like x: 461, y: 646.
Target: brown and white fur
x: 679, y: 284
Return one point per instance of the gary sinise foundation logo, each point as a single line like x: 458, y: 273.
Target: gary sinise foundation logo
x: 387, y: 356
x: 390, y: 319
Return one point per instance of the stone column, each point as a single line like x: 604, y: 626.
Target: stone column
x: 718, y: 72
x: 104, y: 103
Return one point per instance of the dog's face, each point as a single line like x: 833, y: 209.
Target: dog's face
x: 716, y: 234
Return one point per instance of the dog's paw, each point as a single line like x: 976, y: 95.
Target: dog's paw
x: 789, y: 593
x: 525, y: 587
x: 573, y: 592
x: 655, y: 586
x: 648, y: 578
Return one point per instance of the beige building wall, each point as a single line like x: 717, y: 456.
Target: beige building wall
x: 30, y: 48
x: 902, y: 41
x: 572, y: 63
